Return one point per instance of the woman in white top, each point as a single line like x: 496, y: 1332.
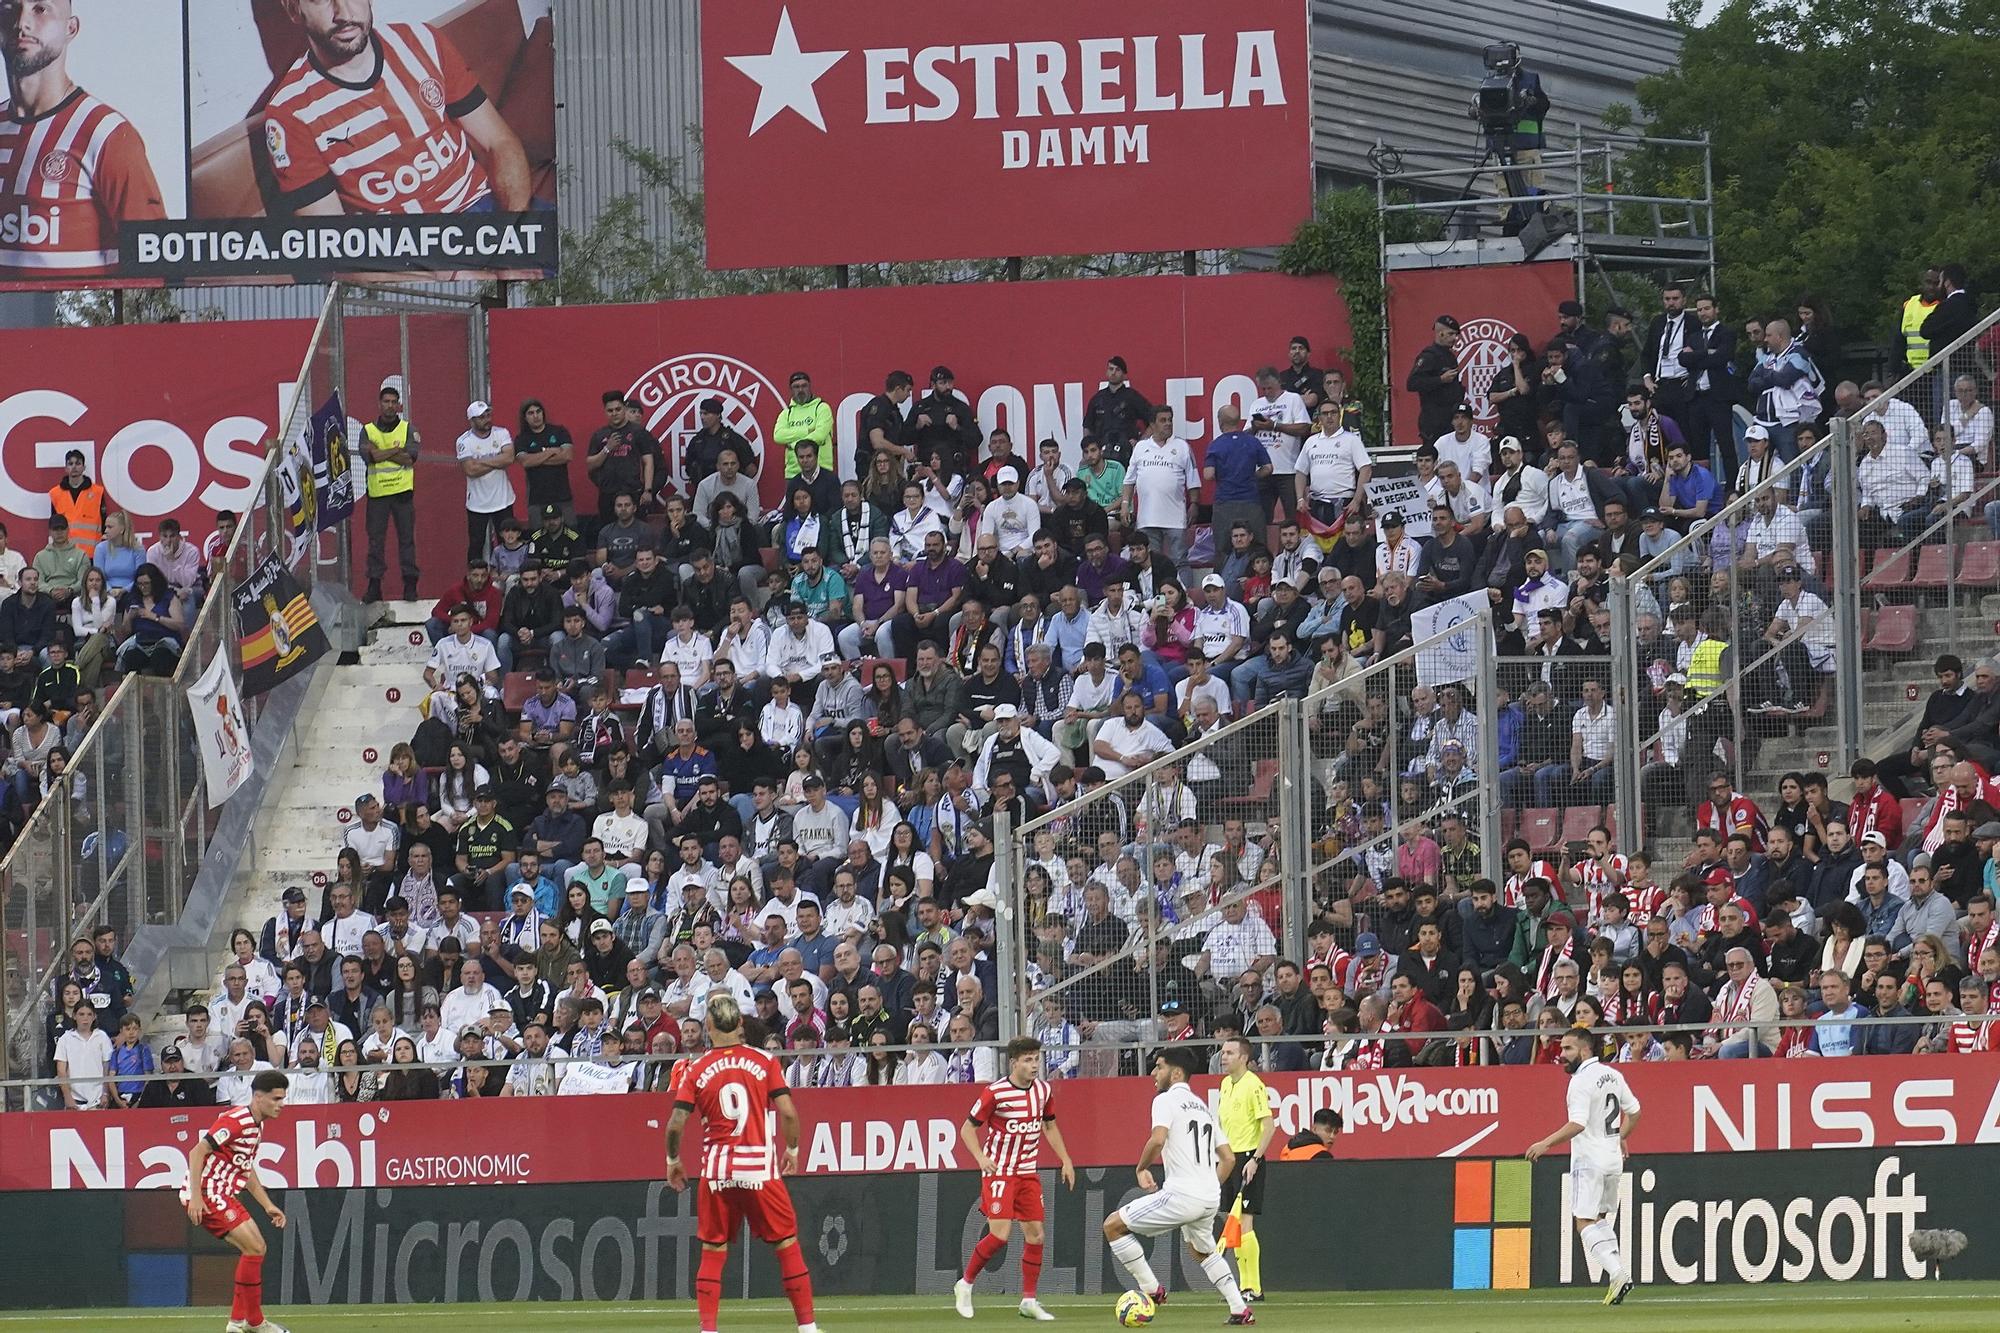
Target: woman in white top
x: 909, y: 525
x: 904, y: 851
x: 92, y: 614
x: 876, y: 819
x: 261, y: 980
x: 921, y: 1065
x: 462, y: 777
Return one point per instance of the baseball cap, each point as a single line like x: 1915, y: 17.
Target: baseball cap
x: 1005, y: 475
x: 1875, y: 837
x: 601, y: 927
x: 1676, y: 678
x: 170, y: 1053
x: 1214, y: 581
x: 1536, y: 550
x: 1393, y: 519
x: 1172, y: 1005
x: 295, y: 894
x: 499, y: 1006
x: 1466, y: 408
x: 367, y: 798
x: 1512, y: 442
x: 1447, y: 321
x: 521, y: 891
x: 551, y: 511
x: 637, y: 885
x: 1004, y: 711
x: 711, y: 404
x: 1571, y: 308
x: 649, y: 994
x: 1367, y: 945
x: 1563, y: 919
x: 315, y: 1003
x: 485, y: 792
x: 478, y: 407
x: 1755, y: 432
x: 1789, y: 572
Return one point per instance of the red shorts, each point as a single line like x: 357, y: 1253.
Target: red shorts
x: 1015, y: 1197
x: 721, y: 1213
x: 220, y: 1221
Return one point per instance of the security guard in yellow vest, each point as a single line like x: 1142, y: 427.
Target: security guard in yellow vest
x: 1916, y: 347
x: 389, y: 447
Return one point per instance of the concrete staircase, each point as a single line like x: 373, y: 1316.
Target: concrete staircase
x: 340, y: 753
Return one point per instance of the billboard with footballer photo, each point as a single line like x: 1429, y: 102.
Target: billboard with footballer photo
x: 275, y: 140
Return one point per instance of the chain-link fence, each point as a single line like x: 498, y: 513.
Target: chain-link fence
x: 1188, y: 879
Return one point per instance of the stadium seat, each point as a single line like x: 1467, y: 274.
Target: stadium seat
x: 1510, y: 819
x: 516, y: 688
x: 1979, y: 567
x: 1895, y: 631
x: 1541, y: 829
x: 1933, y: 568
x: 1911, y: 806
x: 1579, y: 820
x: 1263, y: 781
x: 864, y: 669
x: 1890, y: 571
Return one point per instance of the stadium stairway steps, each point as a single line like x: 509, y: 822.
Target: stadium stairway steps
x: 330, y: 765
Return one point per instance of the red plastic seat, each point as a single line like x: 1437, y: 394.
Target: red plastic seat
x: 1541, y: 829
x: 1895, y: 631
x: 1263, y: 781
x: 1891, y: 571
x: 1579, y: 820
x: 1911, y: 805
x: 516, y: 688
x: 864, y: 670
x: 1933, y: 568
x: 1979, y: 567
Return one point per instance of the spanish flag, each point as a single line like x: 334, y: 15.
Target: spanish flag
x: 1326, y: 534
x: 279, y: 635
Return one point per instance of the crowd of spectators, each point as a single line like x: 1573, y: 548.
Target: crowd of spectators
x: 743, y: 724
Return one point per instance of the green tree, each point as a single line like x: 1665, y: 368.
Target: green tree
x: 615, y: 256
x: 1343, y: 239
x: 1854, y: 145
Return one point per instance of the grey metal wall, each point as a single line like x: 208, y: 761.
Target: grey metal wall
x: 1403, y: 71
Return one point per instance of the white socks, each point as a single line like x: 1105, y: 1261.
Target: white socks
x: 1600, y: 1238
x: 1216, y: 1266
x: 1131, y: 1257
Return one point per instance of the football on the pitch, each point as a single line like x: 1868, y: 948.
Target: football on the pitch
x: 1135, y: 1310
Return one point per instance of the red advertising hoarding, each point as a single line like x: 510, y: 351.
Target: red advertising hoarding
x: 1749, y: 1106
x: 1491, y: 305
x: 899, y: 130
x: 1028, y: 356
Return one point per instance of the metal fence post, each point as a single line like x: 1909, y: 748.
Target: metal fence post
x: 1008, y: 967
x: 1845, y: 557
x: 1625, y: 712
x: 1486, y: 687
x: 1295, y: 820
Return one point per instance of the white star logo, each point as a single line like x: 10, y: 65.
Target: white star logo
x: 785, y: 78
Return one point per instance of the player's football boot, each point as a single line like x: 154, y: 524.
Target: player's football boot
x: 961, y: 1298
x: 1032, y: 1309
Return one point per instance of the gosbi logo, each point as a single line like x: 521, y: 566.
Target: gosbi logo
x: 440, y: 153
x: 25, y: 226
x: 1108, y: 85
x: 670, y: 395
x: 57, y: 165
x: 1482, y: 352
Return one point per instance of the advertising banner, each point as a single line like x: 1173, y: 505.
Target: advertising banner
x: 884, y: 129
x: 1028, y: 356
x: 223, y: 140
x: 280, y: 634
x: 1876, y: 1102
x: 1491, y: 305
x: 220, y: 730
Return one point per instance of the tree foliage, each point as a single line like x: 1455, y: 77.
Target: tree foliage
x: 1854, y: 145
x: 616, y: 255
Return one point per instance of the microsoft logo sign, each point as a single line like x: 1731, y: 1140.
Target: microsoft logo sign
x: 1491, y: 1206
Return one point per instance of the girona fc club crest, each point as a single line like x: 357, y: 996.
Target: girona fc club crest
x: 58, y: 166
x: 433, y: 94
x: 1482, y: 352
x: 671, y: 394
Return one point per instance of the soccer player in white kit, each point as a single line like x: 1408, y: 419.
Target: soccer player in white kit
x: 1198, y: 1159
x: 1602, y: 1115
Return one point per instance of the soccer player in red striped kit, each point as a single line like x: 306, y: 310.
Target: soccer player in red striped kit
x: 739, y: 1091
x: 223, y: 1165
x: 1003, y: 1132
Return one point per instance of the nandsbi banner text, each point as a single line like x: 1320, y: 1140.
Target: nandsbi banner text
x: 1757, y: 1106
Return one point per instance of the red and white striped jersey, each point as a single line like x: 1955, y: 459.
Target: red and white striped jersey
x: 68, y: 179
x: 233, y: 1141
x: 1970, y: 1035
x: 1600, y: 883
x: 1512, y: 892
x: 1648, y: 901
x: 731, y: 1088
x: 389, y: 144
x: 1011, y: 1118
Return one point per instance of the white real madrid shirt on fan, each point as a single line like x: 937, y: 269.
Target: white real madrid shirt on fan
x: 68, y: 178
x: 390, y: 143
x: 1332, y: 464
x: 489, y: 492
x: 1161, y: 475
x: 1286, y: 409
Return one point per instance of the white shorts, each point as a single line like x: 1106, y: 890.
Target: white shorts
x: 1169, y: 1209
x: 1593, y: 1190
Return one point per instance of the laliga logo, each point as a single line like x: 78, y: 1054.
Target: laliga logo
x: 671, y: 394
x: 1482, y: 351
